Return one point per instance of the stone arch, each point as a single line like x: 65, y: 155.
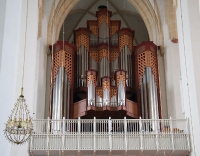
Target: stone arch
x: 144, y: 7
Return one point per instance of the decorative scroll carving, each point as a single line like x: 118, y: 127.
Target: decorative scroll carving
x: 113, y: 29
x: 99, y: 92
x: 94, y: 29
x: 82, y: 39
x: 147, y: 59
x: 113, y: 92
x: 103, y: 15
x: 121, y: 78
x: 103, y: 18
x: 106, y: 85
x: 91, y: 78
x: 93, y: 26
x: 68, y: 65
x: 94, y: 55
x: 114, y: 55
x: 62, y: 58
x: 125, y: 40
x: 104, y: 53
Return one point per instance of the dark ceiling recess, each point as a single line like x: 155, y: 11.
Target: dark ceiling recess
x: 102, y: 7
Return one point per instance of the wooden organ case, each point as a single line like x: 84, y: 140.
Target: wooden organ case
x: 107, y: 75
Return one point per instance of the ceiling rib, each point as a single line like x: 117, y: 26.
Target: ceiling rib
x: 122, y: 18
x: 82, y: 10
x: 91, y: 13
x: 120, y: 12
x: 82, y: 17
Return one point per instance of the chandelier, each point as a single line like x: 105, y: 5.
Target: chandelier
x: 19, y: 126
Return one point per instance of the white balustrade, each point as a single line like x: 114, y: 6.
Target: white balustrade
x: 110, y: 134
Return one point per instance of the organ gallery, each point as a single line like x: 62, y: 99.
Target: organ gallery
x: 103, y: 74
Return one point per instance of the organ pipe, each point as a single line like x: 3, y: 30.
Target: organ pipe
x: 148, y: 80
x: 93, y: 39
x: 114, y: 39
x: 121, y: 76
x: 60, y: 101
x: 62, y: 81
x: 145, y: 96
x: 125, y: 47
x: 103, y: 33
x: 82, y: 40
x: 91, y: 84
x: 106, y: 91
x: 149, y: 101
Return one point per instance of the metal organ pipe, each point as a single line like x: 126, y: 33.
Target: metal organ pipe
x: 156, y: 93
x: 104, y: 64
x: 93, y: 39
x: 145, y: 95
x: 82, y: 40
x: 114, y: 39
x: 121, y: 76
x: 66, y: 97
x: 142, y: 101
x: 121, y: 94
x: 113, y: 101
x: 126, y: 64
x: 60, y: 97
x: 91, y: 84
x: 60, y: 92
x: 106, y: 91
x: 148, y: 94
x: 103, y: 33
x: 99, y: 100
x: 93, y: 64
x: 82, y: 65
x: 155, y: 98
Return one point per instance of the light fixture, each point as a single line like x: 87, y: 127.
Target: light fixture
x: 19, y: 126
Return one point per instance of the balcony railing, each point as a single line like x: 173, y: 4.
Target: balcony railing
x: 133, y: 136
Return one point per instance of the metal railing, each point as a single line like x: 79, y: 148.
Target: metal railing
x: 110, y: 134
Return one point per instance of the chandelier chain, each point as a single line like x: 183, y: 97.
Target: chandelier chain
x: 24, y: 59
x: 63, y: 37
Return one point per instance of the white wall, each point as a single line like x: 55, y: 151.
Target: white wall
x: 2, y: 19
x: 11, y: 65
x: 41, y: 74
x: 171, y: 69
x: 189, y: 39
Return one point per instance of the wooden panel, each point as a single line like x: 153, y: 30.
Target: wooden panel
x: 131, y: 108
x: 80, y: 108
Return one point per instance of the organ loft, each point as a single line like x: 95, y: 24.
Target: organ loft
x: 103, y: 74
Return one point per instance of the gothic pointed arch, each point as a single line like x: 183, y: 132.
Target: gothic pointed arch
x: 144, y: 7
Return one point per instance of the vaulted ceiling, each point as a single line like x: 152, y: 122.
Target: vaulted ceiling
x: 121, y: 10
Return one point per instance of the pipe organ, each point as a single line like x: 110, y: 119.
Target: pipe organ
x: 147, y: 77
x: 62, y: 76
x: 104, y: 75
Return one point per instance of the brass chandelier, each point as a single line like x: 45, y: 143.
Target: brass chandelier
x: 19, y: 126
